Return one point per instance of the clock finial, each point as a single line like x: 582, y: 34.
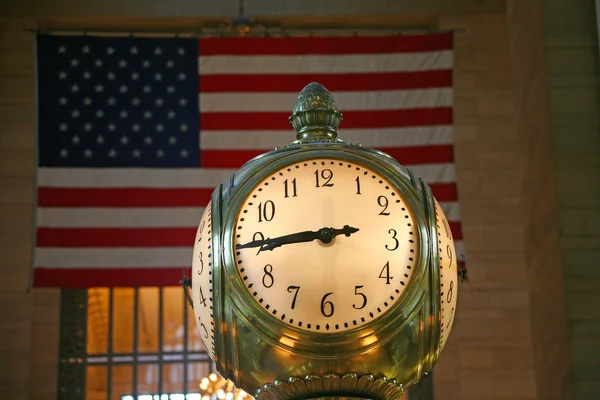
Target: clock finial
x: 315, y: 115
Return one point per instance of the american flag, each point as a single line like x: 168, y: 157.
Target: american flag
x: 135, y: 133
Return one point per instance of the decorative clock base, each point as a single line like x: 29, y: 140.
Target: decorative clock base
x: 331, y: 385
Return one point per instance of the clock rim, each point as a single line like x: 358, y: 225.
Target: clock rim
x: 280, y: 333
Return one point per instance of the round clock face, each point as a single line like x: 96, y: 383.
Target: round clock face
x: 448, y: 275
x: 202, y: 295
x: 326, y: 245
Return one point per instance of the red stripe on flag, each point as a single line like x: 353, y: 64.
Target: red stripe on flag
x: 455, y: 229
x: 333, y: 82
x: 115, y: 237
x: 413, y: 155
x: 79, y: 278
x: 122, y: 197
x: 225, y: 121
x: 444, y: 191
x: 216, y: 46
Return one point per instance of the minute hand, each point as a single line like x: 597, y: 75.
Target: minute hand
x: 300, y: 237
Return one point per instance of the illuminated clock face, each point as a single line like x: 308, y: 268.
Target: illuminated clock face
x: 326, y: 245
x: 448, y: 275
x: 202, y: 295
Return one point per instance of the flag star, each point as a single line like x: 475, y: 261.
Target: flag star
x: 148, y: 140
x: 146, y: 64
x: 158, y: 77
x: 85, y: 49
x: 160, y: 153
x: 135, y: 76
x: 87, y: 75
x: 133, y: 50
x: 124, y: 114
x: 183, y: 128
x: 182, y: 102
x: 112, y: 127
x: 124, y: 139
x: 74, y: 62
x: 122, y: 63
x: 99, y: 113
x: 112, y: 153
x: 75, y: 88
x: 135, y: 127
x: 123, y: 88
x: 182, y: 77
x: 63, y: 127
x: 75, y: 113
x: 136, y: 153
x: 110, y: 50
x: 111, y: 101
x: 62, y: 50
x: 170, y: 89
x: 87, y: 127
x: 99, y: 88
x: 159, y: 102
x: 88, y: 153
x: 64, y: 153
x: 110, y: 76
x: 147, y: 114
x: 147, y: 89
x: 158, y: 51
x: 135, y: 101
x: 62, y: 75
x: 180, y: 51
x: 183, y: 153
x: 171, y: 114
x: 98, y: 63
x: 75, y: 139
x: 62, y: 101
x: 100, y: 139
x: 170, y: 64
x: 160, y: 128
x: 87, y: 101
x: 172, y: 140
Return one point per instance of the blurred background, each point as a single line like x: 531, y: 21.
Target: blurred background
x: 526, y: 123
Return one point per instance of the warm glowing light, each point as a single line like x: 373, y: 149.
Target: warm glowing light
x: 369, y: 340
x: 212, y: 377
x: 286, y: 341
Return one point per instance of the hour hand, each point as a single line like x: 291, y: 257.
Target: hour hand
x: 300, y: 237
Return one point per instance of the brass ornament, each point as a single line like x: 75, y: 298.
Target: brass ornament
x: 263, y: 354
x: 315, y: 386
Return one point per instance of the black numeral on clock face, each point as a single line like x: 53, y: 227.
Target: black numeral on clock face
x: 327, y: 307
x: 383, y: 202
x: 286, y: 188
x: 291, y: 289
x: 268, y: 279
x: 396, y: 243
x: 325, y: 178
x: 385, y: 273
x: 266, y: 211
x: 362, y: 296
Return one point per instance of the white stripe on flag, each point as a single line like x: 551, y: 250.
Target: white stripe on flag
x: 182, y: 178
x: 325, y: 64
x: 119, y: 258
x: 133, y: 177
x: 380, y: 137
x: 111, y: 257
x: 348, y: 101
x: 53, y: 217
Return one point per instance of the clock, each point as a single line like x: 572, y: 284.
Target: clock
x: 326, y: 245
x: 448, y: 274
x: 202, y: 288
x: 323, y: 268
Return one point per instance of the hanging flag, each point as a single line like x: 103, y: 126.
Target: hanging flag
x: 135, y: 133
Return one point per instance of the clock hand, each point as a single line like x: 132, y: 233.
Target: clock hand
x: 325, y: 235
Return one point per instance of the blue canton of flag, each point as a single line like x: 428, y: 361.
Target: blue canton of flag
x: 115, y: 102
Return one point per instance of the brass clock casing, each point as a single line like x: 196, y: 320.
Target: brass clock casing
x: 266, y: 357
